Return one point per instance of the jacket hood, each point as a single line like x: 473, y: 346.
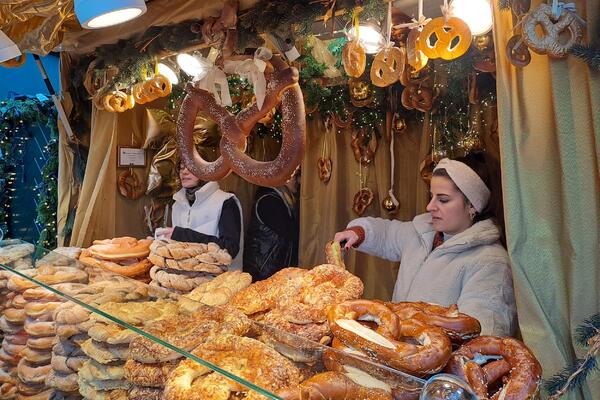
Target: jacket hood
x: 480, y: 233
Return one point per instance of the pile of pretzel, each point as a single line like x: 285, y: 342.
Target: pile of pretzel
x: 415, y: 338
x: 125, y: 256
x: 141, y: 93
x: 181, y: 267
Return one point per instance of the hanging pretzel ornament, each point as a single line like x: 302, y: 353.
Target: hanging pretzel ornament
x: 414, y: 56
x: 362, y: 199
x: 130, y: 185
x: 517, y: 52
x: 416, y: 97
x: 388, y: 66
x: 550, y: 42
x: 453, y: 38
x: 282, y: 87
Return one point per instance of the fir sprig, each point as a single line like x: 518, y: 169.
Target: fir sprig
x: 587, y: 54
x: 574, y: 375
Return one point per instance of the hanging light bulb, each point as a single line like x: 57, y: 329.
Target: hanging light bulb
x: 167, y: 71
x: 369, y: 35
x: 476, y: 13
x: 94, y: 14
x: 190, y: 65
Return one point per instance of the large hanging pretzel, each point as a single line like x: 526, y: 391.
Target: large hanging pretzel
x: 282, y: 86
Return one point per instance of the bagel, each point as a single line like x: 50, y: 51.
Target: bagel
x: 13, y: 349
x: 17, y: 338
x: 9, y: 327
x: 9, y: 358
x: 19, y: 301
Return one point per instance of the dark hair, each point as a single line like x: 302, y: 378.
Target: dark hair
x: 488, y: 169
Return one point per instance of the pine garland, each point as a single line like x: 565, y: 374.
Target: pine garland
x: 15, y: 117
x: 587, y: 54
x: 574, y: 375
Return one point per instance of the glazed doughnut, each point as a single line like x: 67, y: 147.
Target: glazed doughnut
x: 362, y: 199
x: 120, y: 248
x: 354, y: 59
x: 428, y: 356
x: 31, y: 374
x: 524, y: 370
x: 282, y: 85
x: 40, y: 328
x: 41, y: 343
x: 324, y: 165
x: 458, y: 326
x: 335, y: 386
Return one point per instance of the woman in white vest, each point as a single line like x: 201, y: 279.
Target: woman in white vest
x: 203, y: 213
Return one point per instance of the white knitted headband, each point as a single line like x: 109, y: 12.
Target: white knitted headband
x: 467, y: 181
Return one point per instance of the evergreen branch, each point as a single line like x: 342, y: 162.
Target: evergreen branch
x: 573, y: 375
x: 587, y: 54
x: 504, y: 4
x: 588, y: 330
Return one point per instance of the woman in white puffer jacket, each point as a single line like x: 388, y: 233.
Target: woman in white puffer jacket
x: 451, y: 255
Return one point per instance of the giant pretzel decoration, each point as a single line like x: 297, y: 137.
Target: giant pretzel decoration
x: 15, y: 62
x: 283, y: 84
x: 520, y: 371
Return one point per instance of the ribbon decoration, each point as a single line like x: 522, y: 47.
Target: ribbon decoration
x: 254, y: 70
x: 210, y: 77
x: 416, y: 23
x: 558, y: 7
x: 393, y: 165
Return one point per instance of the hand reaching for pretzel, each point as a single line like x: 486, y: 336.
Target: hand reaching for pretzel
x: 348, y: 236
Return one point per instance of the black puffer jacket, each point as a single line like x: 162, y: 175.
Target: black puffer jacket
x: 271, y: 241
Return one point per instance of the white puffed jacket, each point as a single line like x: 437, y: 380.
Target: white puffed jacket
x: 470, y: 269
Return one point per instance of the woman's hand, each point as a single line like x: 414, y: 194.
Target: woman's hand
x: 350, y: 237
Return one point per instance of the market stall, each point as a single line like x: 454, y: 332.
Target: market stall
x: 243, y: 93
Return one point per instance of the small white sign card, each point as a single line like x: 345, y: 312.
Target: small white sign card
x: 132, y: 157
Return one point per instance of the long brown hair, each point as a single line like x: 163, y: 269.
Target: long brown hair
x: 488, y: 169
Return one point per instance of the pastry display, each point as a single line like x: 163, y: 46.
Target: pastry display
x: 125, y: 256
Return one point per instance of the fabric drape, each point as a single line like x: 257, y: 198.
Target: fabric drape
x: 549, y: 124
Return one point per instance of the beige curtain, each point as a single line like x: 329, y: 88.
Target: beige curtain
x: 549, y: 123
